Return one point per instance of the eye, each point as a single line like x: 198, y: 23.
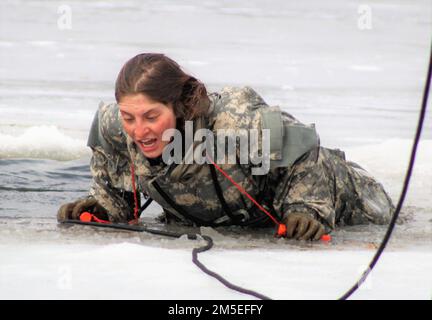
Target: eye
x: 126, y: 117
x: 128, y: 120
x: 152, y: 118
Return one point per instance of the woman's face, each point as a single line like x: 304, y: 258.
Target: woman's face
x: 145, y: 120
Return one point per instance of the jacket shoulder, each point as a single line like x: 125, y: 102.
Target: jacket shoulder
x: 241, y: 99
x: 106, y: 130
x: 236, y: 107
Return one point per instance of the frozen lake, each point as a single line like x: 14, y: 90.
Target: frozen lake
x: 319, y: 61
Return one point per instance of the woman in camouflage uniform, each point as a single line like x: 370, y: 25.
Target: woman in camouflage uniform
x: 309, y: 188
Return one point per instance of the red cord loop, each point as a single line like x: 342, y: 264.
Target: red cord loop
x: 89, y: 217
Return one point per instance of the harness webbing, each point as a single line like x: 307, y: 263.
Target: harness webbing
x: 134, y: 191
x: 219, y: 193
x: 281, y: 231
x: 281, y: 227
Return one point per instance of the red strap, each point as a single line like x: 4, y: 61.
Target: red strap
x: 281, y: 231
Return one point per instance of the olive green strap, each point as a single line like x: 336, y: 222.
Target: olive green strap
x: 288, y: 142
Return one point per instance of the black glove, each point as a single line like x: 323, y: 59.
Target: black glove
x: 73, y: 210
x: 303, y: 227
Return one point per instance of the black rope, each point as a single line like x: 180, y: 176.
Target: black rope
x: 129, y: 227
x: 144, y: 206
x: 389, y: 229
x: 404, y: 189
x: 226, y: 283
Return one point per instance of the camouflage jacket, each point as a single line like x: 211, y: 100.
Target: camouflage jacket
x: 317, y: 182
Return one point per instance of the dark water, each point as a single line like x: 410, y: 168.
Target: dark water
x: 36, y: 188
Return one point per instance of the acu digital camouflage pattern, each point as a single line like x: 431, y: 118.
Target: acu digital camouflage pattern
x: 321, y: 183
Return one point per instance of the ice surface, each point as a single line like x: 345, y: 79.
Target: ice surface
x: 131, y: 271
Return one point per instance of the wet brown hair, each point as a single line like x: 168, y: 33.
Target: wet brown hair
x: 162, y: 80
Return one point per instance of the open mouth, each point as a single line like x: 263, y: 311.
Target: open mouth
x: 147, y: 144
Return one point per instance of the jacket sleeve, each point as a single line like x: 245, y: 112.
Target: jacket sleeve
x: 111, y: 184
x: 307, y: 187
x: 296, y: 176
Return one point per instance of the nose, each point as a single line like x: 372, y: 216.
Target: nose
x: 140, y: 130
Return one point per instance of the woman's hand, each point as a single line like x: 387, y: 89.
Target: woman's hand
x: 301, y: 226
x: 73, y: 210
